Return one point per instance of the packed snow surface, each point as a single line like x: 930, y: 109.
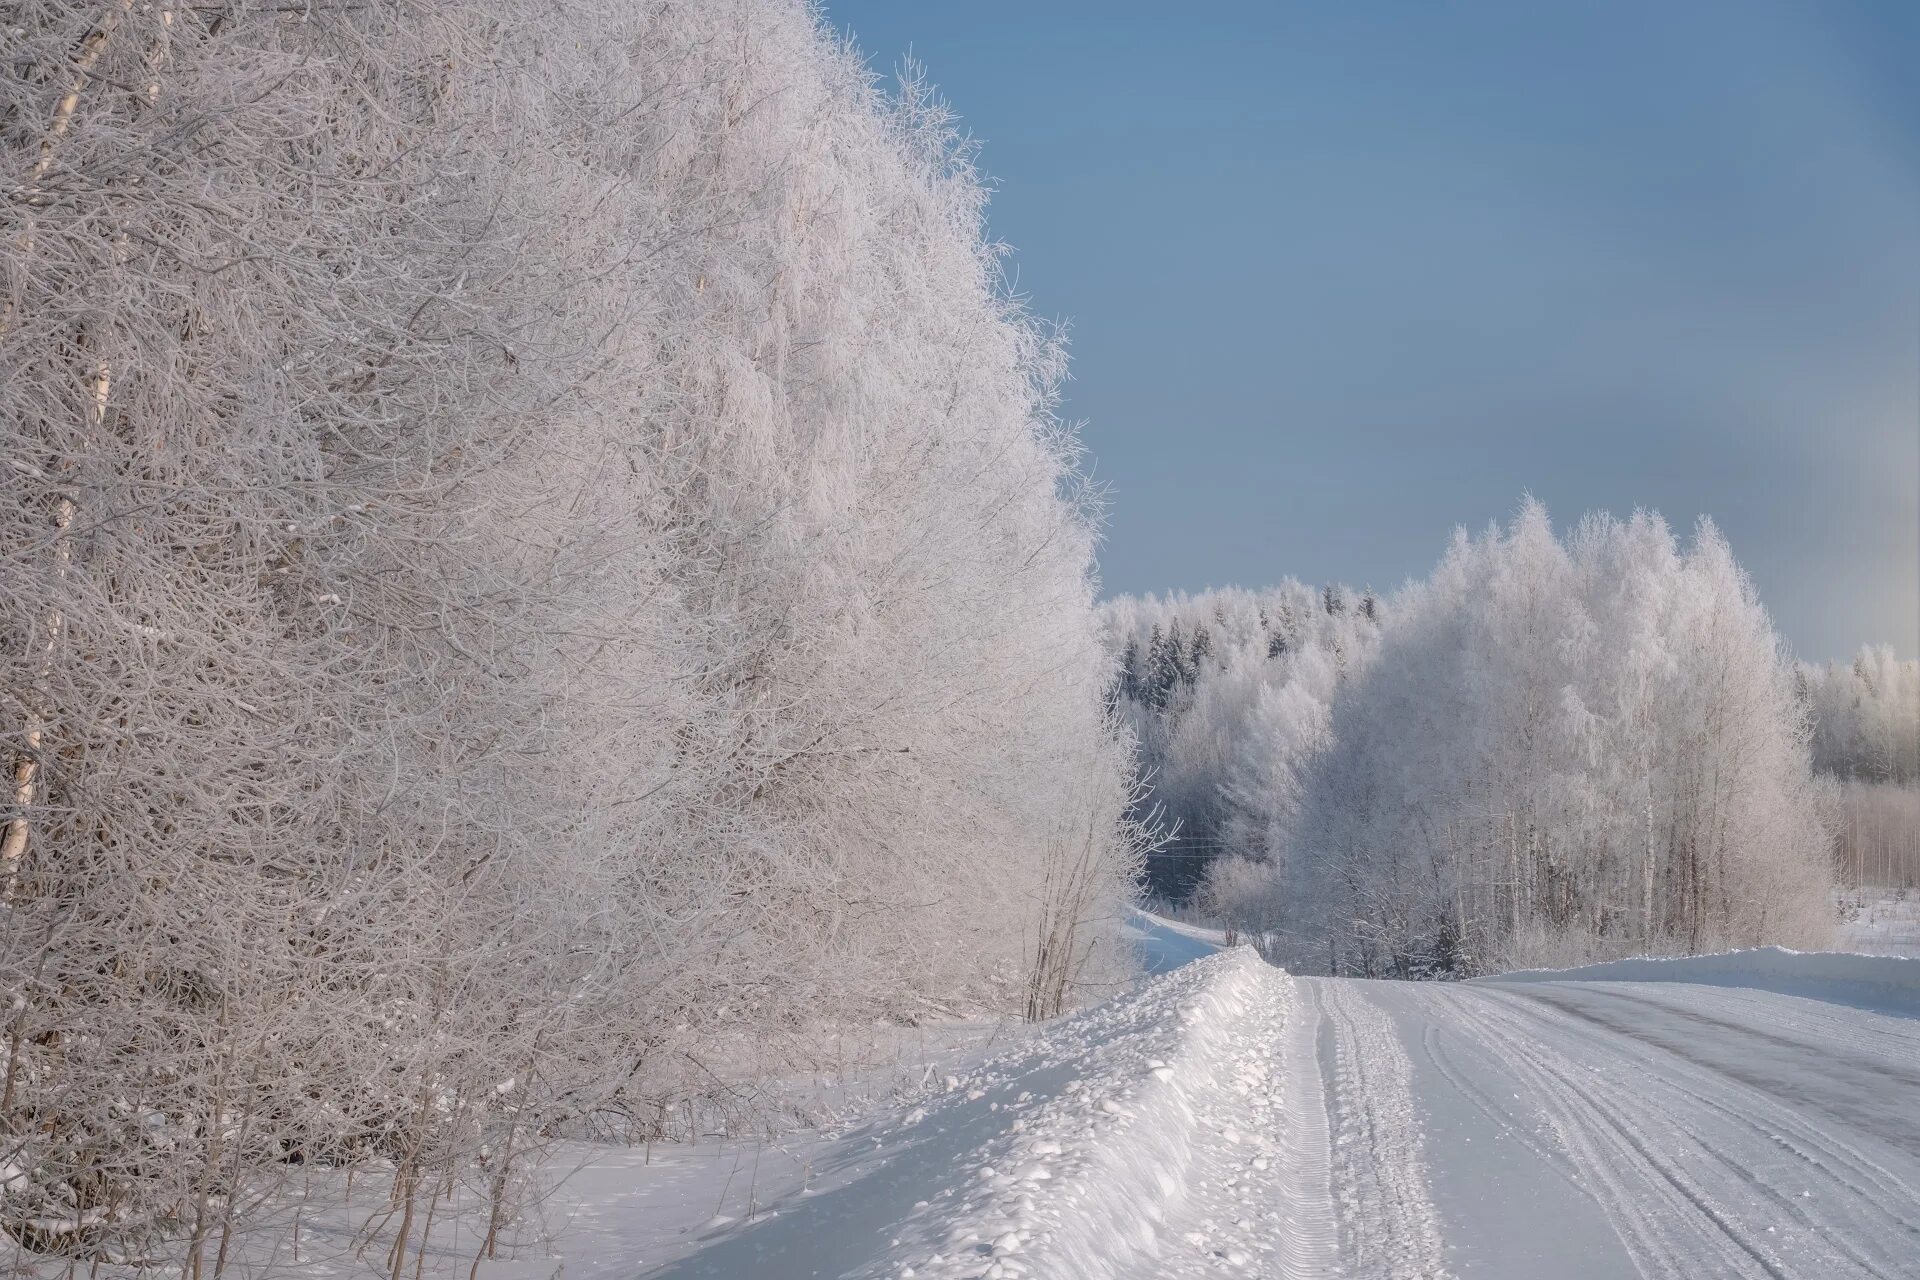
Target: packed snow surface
x: 1690, y: 1118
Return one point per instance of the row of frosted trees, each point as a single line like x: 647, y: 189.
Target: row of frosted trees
x: 1866, y: 716
x: 1564, y: 750
x: 537, y: 573
x: 1550, y: 750
x: 1866, y: 735
x: 1225, y: 693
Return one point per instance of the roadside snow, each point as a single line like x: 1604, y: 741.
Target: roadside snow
x: 1890, y: 984
x: 1226, y: 1119
x: 1180, y: 1130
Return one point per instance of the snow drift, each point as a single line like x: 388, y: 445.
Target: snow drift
x: 1107, y: 1144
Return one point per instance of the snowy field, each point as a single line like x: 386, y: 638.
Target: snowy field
x: 1755, y: 1114
x: 1888, y: 925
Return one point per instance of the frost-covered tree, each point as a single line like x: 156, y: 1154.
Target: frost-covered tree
x: 1562, y: 749
x: 1866, y: 740
x: 539, y: 572
x: 1223, y: 719
x: 1866, y: 716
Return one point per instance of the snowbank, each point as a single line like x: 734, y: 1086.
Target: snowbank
x: 1887, y: 984
x: 1073, y: 1153
x: 1083, y: 1181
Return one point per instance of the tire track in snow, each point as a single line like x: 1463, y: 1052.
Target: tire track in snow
x: 1811, y: 1022
x: 1498, y: 1115
x: 1869, y: 1184
x: 1753, y: 1161
x: 1600, y: 1147
x: 1389, y: 1227
x: 1699, y: 1174
x: 1685, y: 1028
x: 1309, y: 1229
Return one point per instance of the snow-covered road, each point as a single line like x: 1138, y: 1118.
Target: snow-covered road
x: 1228, y: 1119
x: 1590, y: 1128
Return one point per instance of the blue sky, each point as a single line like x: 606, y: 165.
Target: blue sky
x: 1343, y: 276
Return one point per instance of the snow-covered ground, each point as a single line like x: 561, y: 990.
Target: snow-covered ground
x: 1883, y: 923
x: 1696, y: 1124
x: 1749, y: 1115
x: 1673, y: 1118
